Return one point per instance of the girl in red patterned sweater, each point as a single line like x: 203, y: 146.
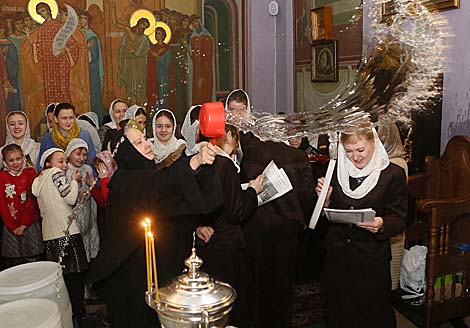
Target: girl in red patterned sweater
x: 22, y: 237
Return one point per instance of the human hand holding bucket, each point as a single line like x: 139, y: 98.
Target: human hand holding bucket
x: 212, y: 120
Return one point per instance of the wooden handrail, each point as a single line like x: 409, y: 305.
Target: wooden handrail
x: 427, y: 204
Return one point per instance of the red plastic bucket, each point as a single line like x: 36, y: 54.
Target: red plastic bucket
x: 212, y: 120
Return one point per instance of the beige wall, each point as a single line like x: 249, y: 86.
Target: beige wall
x: 99, y: 3
x: 187, y: 7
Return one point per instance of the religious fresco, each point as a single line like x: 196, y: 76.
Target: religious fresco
x: 137, y: 50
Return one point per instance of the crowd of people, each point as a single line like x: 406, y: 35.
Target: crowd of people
x: 79, y: 196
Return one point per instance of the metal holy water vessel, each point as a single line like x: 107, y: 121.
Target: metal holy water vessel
x: 193, y: 300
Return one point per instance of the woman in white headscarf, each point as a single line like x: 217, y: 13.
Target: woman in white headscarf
x: 89, y: 121
x: 18, y: 132
x: 138, y: 114
x: 238, y: 104
x: 238, y: 100
x: 166, y: 147
x: 390, y: 137
x: 86, y: 218
x: 222, y: 243
x: 357, y: 264
x: 107, y: 132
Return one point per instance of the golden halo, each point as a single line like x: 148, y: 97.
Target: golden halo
x: 143, y: 13
x: 38, y: 18
x: 167, y: 30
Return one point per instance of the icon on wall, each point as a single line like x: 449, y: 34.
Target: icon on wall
x: 324, y: 61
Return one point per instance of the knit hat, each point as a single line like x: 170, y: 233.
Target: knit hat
x: 46, y: 154
x: 74, y: 144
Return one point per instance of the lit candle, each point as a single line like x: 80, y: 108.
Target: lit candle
x: 147, y: 256
x: 149, y: 224
x: 149, y: 272
x: 154, y: 263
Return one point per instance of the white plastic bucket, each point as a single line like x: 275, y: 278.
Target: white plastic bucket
x: 30, y: 313
x: 37, y: 280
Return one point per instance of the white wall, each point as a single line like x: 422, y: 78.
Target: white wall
x: 270, y: 57
x: 456, y: 100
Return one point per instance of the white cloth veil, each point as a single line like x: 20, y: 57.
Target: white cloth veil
x: 131, y: 114
x: 162, y: 151
x: 28, y: 143
x: 371, y: 171
x: 113, y: 123
x: 248, y: 104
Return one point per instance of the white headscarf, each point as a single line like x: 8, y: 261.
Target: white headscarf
x: 47, y: 153
x: 160, y: 150
x: 131, y: 113
x: 93, y: 117
x: 371, y: 171
x: 248, y: 104
x: 91, y: 128
x: 390, y: 137
x: 28, y: 143
x: 74, y: 144
x: 113, y: 123
x: 188, y: 131
x: 239, y: 151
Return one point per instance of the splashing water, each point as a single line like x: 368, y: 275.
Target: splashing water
x: 396, y: 78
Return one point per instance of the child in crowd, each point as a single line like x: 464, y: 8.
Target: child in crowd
x: 21, y: 238
x: 56, y: 197
x: 77, y: 152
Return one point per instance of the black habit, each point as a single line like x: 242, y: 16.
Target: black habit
x: 137, y: 190
x: 224, y: 255
x: 357, y: 264
x: 272, y: 234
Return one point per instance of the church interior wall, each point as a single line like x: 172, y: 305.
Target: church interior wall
x: 274, y: 78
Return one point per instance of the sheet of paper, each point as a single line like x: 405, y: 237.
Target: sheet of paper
x: 322, y: 197
x: 276, y: 183
x: 350, y: 216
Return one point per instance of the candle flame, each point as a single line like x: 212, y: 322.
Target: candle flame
x: 150, y: 234
x: 147, y: 220
x: 144, y: 224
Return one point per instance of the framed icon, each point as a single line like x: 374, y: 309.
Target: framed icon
x: 324, y: 61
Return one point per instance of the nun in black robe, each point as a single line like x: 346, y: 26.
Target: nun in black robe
x: 272, y: 233
x: 224, y: 254
x: 136, y: 191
